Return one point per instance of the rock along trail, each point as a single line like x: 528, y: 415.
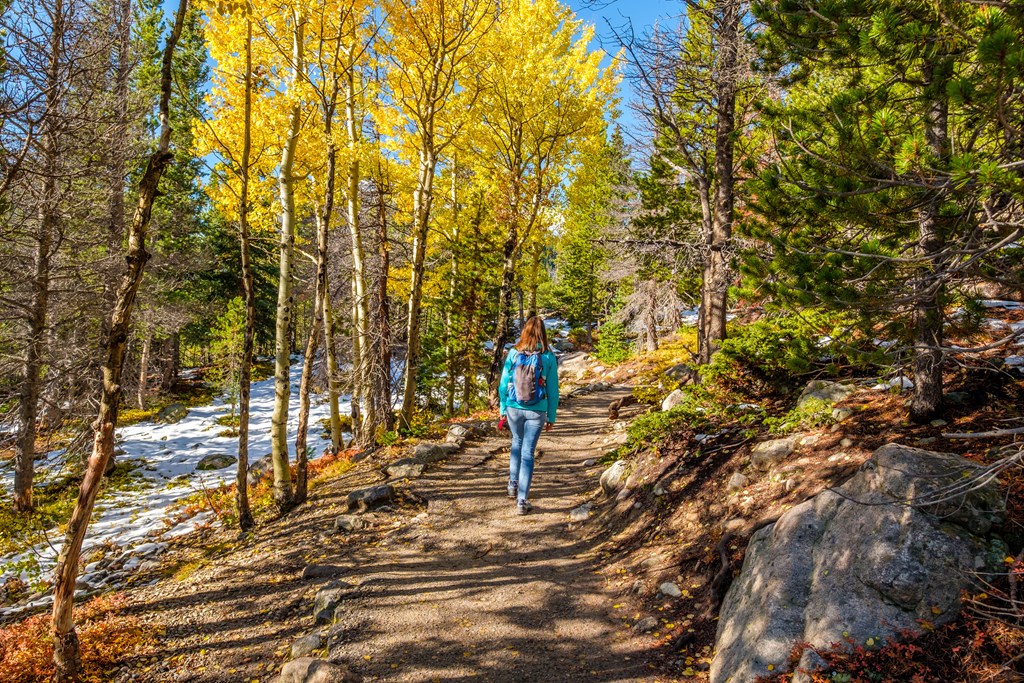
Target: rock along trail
x: 473, y: 591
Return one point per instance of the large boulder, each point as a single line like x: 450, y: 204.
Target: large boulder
x: 827, y: 392
x: 216, y: 461
x: 171, y: 414
x: 310, y: 670
x: 861, y: 564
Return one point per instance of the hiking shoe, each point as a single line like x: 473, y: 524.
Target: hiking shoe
x: 513, y: 488
x: 523, y: 507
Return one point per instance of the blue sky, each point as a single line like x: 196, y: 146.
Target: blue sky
x: 641, y: 13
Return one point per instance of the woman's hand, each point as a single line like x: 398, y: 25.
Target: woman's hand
x: 548, y: 426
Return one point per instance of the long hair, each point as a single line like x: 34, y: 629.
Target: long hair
x: 534, y: 336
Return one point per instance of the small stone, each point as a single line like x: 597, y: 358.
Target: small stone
x: 406, y: 468
x: 737, y: 481
x: 348, y: 523
x: 670, y: 589
x: 938, y: 423
x: 928, y: 440
x: 362, y: 500
x: 306, y: 644
x: 580, y: 514
x: 309, y: 670
x: 845, y: 442
x: 659, y: 490
x: 328, y: 598
x: 789, y: 485
x: 590, y: 462
x: 768, y: 453
x: 638, y: 586
x: 841, y: 414
x: 646, y: 625
x: 612, y: 478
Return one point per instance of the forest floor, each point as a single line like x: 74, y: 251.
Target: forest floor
x: 451, y: 585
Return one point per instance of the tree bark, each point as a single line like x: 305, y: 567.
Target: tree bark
x: 301, y: 456
x: 332, y: 369
x: 66, y: 654
x: 147, y: 344
x: 360, y: 303
x: 422, y: 200
x: 25, y: 444
x: 381, y: 366
x: 245, y: 519
x: 715, y: 284
x: 283, y: 493
x: 928, y: 290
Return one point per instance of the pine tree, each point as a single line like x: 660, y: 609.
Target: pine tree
x: 893, y: 161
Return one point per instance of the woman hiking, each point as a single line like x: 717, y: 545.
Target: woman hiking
x: 529, y: 402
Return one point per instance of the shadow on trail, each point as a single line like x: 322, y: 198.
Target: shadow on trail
x: 468, y: 591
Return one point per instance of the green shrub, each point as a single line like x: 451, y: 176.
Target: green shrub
x: 813, y: 413
x: 771, y: 351
x: 612, y: 346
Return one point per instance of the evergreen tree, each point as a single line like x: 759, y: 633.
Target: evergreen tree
x: 892, y: 183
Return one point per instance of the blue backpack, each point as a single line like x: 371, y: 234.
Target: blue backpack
x: 527, y: 385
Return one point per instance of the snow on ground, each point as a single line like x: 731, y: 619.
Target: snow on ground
x: 135, y: 524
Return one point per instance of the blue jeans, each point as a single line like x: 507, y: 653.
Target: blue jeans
x: 526, y: 426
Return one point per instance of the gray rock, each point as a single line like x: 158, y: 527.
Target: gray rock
x: 590, y: 462
x: 406, y: 468
x: 829, y: 392
x: 612, y: 478
x: 260, y: 470
x: 580, y: 514
x: 670, y: 589
x: 680, y: 373
x: 938, y: 423
x: 833, y: 566
x: 841, y: 414
x: 328, y: 598
x: 349, y: 523
x: 306, y: 644
x: 673, y: 399
x: 309, y: 670
x: 216, y: 461
x: 574, y: 365
x: 625, y: 493
x: 955, y: 398
x: 768, y: 453
x: 646, y: 625
x: 845, y: 442
x: 432, y: 452
x: 362, y: 500
x: 457, y: 434
x: 737, y: 481
x: 171, y: 414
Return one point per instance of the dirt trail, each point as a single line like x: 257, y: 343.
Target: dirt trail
x: 466, y: 591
